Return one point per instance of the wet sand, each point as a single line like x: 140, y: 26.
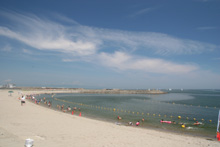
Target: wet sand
x: 51, y: 128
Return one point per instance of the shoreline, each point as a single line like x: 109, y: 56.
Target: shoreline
x: 54, y: 128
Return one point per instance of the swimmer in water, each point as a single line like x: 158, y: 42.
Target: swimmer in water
x: 197, y: 123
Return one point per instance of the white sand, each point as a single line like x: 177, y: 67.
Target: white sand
x: 51, y: 128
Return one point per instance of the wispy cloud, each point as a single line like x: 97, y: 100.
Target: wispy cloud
x: 203, y: 0
x: 113, y: 48
x: 207, y: 28
x: 46, y: 35
x: 142, y: 11
x: 216, y: 58
x: 6, y: 48
x: 26, y: 51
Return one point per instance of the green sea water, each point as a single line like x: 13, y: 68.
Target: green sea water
x: 191, y: 105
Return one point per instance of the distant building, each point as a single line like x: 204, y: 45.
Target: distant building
x: 9, y: 86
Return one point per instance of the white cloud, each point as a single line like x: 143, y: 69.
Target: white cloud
x: 87, y: 43
x: 123, y: 61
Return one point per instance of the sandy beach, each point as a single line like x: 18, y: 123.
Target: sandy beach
x: 49, y: 128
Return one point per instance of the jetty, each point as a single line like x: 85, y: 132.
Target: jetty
x: 92, y: 91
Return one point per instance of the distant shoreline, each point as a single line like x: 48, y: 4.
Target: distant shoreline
x: 89, y: 91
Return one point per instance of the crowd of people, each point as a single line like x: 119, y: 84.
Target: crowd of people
x: 161, y: 121
x: 48, y: 103
x: 73, y: 109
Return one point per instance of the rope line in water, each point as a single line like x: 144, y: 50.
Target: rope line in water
x: 187, y: 105
x: 117, y: 110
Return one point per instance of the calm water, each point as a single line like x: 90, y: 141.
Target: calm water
x: 191, y: 105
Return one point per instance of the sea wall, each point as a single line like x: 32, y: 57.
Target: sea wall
x: 82, y: 90
x: 119, y: 91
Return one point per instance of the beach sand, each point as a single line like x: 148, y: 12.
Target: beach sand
x: 49, y: 128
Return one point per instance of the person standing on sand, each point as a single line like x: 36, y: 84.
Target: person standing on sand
x: 22, y: 100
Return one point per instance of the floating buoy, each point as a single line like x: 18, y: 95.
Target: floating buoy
x: 183, y: 126
x: 194, y: 118
x: 179, y: 117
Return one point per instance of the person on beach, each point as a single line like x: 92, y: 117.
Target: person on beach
x: 69, y: 109
x: 49, y: 104
x: 130, y: 123
x: 22, y: 100
x: 119, y: 118
x: 62, y: 107
x: 137, y: 123
x: 142, y: 119
x: 58, y: 106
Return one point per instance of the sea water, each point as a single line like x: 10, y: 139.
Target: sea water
x: 178, y: 106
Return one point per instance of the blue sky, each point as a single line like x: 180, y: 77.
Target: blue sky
x: 110, y: 43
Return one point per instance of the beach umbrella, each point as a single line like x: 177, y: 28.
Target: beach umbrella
x: 10, y: 92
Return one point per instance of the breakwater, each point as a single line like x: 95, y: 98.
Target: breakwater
x: 119, y: 91
x: 92, y: 91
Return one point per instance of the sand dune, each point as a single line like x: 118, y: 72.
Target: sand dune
x: 51, y: 128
